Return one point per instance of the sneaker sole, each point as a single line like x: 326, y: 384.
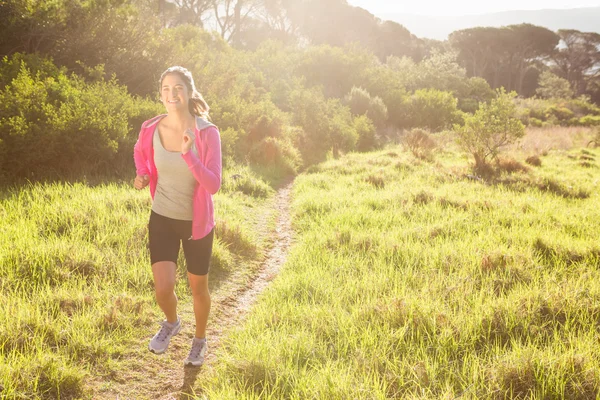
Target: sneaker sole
x: 193, y: 363
x: 166, y: 348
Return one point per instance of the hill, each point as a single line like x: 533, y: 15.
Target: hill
x: 582, y: 19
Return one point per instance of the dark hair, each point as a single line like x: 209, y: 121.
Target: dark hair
x: 197, y: 104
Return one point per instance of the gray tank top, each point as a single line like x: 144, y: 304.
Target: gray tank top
x: 175, y: 189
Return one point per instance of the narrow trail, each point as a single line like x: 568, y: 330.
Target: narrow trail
x: 164, y: 377
x: 234, y: 308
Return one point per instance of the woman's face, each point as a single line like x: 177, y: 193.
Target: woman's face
x: 174, y: 93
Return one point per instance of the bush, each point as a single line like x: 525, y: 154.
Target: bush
x: 420, y: 143
x: 535, y: 122
x: 325, y: 125
x: 561, y: 113
x: 358, y: 100
x: 276, y: 153
x: 57, y: 125
x: 553, y: 86
x: 367, y: 139
x: 490, y: 128
x: 361, y: 103
x: 590, y: 120
x: 432, y: 109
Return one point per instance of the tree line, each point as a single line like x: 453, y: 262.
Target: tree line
x: 288, y: 81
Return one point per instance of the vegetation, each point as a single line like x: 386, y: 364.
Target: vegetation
x: 411, y: 276
x: 490, y: 128
x: 76, y: 291
x: 411, y: 280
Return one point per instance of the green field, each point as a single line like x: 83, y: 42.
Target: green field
x: 76, y: 296
x: 407, y: 279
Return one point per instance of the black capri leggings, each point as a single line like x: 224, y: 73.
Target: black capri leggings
x: 165, y: 235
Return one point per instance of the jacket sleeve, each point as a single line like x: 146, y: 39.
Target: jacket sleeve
x: 208, y: 174
x: 141, y: 166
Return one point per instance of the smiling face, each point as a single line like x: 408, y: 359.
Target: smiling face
x: 174, y: 93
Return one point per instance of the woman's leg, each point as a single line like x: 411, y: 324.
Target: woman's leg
x: 201, y: 295
x: 164, y: 285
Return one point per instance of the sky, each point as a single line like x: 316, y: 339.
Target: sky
x: 465, y: 7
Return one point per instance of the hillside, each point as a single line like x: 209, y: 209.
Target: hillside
x: 582, y: 19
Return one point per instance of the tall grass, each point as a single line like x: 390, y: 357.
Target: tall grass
x: 409, y: 279
x: 76, y: 292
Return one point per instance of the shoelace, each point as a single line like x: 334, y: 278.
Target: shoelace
x: 164, y: 331
x: 196, y: 349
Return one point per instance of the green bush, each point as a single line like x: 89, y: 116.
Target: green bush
x: 432, y: 109
x: 326, y: 125
x: 378, y: 112
x: 553, y: 86
x: 358, y: 100
x: 57, y: 125
x: 491, y: 127
x: 278, y: 154
x: 367, y: 139
x: 561, y: 113
x: 590, y: 120
x: 535, y: 122
x: 361, y: 103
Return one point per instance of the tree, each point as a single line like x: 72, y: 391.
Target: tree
x: 477, y: 48
x: 578, y: 59
x: 530, y: 43
x: 553, y: 86
x: 492, y: 126
x: 193, y: 11
x: 231, y: 15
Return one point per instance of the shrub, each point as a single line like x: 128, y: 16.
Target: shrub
x: 490, y: 128
x: 57, y: 125
x: 590, y: 120
x: 553, y: 86
x: 278, y: 153
x: 561, y: 113
x: 358, y: 100
x: 535, y: 122
x: 367, y: 140
x: 420, y: 143
x: 378, y: 112
x: 534, y: 160
x: 361, y: 103
x: 432, y: 109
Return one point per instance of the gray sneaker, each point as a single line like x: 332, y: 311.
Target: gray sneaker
x: 197, y: 353
x: 160, y: 341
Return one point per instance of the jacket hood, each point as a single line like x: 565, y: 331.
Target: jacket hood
x: 201, y: 123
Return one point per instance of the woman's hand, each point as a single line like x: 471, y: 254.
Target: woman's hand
x: 141, y: 181
x: 187, y: 141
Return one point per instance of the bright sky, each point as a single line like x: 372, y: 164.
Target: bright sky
x: 465, y: 7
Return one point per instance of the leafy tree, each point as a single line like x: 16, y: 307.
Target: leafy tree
x: 432, y: 109
x: 192, y: 11
x: 492, y: 126
x: 531, y: 43
x: 578, y: 59
x: 552, y: 86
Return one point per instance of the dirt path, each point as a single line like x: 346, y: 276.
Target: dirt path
x: 146, y: 376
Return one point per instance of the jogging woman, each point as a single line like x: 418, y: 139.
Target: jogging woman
x: 178, y: 154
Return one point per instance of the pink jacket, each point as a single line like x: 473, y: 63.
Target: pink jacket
x: 204, y: 161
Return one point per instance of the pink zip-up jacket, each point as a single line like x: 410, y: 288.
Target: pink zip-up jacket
x: 203, y: 160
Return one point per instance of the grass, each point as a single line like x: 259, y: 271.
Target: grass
x: 410, y: 280
x: 76, y: 292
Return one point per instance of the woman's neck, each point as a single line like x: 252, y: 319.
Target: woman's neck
x: 181, y: 120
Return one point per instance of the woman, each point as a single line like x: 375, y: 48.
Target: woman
x: 178, y: 155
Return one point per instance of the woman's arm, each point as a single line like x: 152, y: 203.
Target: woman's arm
x: 141, y: 166
x: 209, y: 174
